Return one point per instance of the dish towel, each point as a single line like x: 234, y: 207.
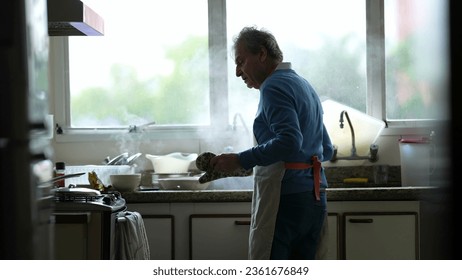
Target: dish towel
x: 131, y: 239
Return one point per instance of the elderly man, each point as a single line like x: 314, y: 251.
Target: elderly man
x: 288, y: 204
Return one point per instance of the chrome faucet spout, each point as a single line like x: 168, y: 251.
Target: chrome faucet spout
x: 353, y: 144
x: 373, y: 156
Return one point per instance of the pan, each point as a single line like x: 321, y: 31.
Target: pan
x: 55, y: 179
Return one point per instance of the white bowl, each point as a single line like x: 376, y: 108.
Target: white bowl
x: 125, y: 182
x: 182, y: 183
x: 172, y: 163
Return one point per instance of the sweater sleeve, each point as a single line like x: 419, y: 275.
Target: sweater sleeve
x: 282, y: 137
x: 327, y: 147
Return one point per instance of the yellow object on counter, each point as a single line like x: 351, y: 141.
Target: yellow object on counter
x: 95, y: 182
x: 355, y: 180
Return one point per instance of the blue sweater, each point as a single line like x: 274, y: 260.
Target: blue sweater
x: 289, y: 127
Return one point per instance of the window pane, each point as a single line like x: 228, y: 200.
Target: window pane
x: 324, y: 40
x: 150, y: 65
x: 415, y: 38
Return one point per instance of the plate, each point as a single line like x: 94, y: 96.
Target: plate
x: 171, y: 175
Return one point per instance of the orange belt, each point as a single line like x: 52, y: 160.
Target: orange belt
x: 316, y: 170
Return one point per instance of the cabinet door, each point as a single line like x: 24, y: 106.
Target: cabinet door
x: 219, y: 237
x: 71, y: 240
x: 160, y: 233
x: 328, y: 247
x: 381, y: 236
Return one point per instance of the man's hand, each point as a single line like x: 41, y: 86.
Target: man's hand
x: 213, y: 164
x: 225, y: 163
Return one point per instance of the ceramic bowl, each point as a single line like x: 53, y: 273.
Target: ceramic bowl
x: 125, y: 182
x: 172, y: 163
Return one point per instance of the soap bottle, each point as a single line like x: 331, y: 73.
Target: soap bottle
x: 60, y: 170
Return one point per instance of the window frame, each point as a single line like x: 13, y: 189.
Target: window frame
x: 376, y: 91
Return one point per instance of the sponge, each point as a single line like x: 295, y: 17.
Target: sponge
x: 355, y: 180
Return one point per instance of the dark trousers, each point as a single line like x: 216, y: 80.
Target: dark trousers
x: 298, y: 225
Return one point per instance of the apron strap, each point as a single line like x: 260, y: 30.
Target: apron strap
x: 316, y: 170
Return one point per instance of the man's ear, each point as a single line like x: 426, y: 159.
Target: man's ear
x: 263, y: 55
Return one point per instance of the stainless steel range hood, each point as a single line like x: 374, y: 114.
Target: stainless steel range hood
x: 73, y: 18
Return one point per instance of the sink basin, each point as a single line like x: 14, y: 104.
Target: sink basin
x: 182, y: 183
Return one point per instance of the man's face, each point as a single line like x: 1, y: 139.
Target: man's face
x: 247, y: 66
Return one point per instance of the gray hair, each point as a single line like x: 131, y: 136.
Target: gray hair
x: 254, y: 39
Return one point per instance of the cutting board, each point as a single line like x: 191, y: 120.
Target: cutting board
x: 367, y: 129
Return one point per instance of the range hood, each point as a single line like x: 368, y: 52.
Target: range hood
x: 73, y: 18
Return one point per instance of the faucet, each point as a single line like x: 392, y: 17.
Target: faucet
x: 140, y: 128
x: 236, y: 116
x: 373, y: 157
x: 236, y: 137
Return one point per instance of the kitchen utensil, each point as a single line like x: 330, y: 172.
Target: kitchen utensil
x: 131, y: 159
x: 65, y: 191
x: 125, y: 182
x: 172, y: 163
x: 55, y: 179
x: 118, y: 159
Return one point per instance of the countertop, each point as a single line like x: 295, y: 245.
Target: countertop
x: 239, y: 189
x: 333, y: 194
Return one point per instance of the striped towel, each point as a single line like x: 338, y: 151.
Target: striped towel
x: 131, y: 239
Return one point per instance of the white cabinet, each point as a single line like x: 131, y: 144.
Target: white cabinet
x: 381, y: 236
x: 378, y: 230
x: 328, y: 248
x: 169, y: 227
x: 160, y: 234
x: 219, y: 237
x: 220, y: 230
x: 160, y: 229
x: 72, y: 227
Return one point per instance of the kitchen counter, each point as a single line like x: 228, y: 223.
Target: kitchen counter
x: 239, y: 189
x: 333, y: 194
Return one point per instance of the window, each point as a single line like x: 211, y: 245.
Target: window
x: 151, y: 65
x: 415, y: 43
x: 326, y: 46
x: 170, y: 62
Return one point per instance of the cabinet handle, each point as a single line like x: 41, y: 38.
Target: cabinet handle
x: 361, y: 221
x: 242, y: 223
x: 79, y: 218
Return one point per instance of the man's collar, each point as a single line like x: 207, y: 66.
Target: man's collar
x: 284, y: 66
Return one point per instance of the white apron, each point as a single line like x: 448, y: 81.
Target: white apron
x: 265, y: 204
